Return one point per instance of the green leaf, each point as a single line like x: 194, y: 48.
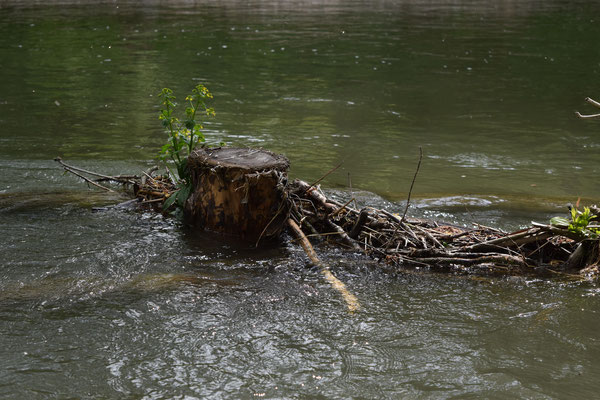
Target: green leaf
x: 559, y: 222
x: 573, y: 213
x: 170, y: 200
x: 183, y: 194
x: 190, y: 124
x: 178, y: 197
x: 181, y: 168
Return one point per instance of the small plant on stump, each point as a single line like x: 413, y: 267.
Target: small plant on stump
x: 183, y: 138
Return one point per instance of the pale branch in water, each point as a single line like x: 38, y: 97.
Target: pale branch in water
x: 351, y: 300
x: 592, y: 102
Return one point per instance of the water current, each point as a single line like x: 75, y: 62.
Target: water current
x: 118, y: 304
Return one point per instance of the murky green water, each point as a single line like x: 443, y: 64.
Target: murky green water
x: 117, y: 304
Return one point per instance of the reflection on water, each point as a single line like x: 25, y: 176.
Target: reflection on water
x: 118, y: 304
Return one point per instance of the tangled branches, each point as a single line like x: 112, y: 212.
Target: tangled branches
x: 540, y: 250
x: 414, y: 243
x: 149, y: 191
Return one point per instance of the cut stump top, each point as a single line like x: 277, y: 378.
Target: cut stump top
x: 232, y: 157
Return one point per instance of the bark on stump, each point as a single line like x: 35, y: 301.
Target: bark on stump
x: 239, y: 192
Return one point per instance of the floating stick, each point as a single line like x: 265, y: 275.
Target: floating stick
x: 592, y: 102
x: 351, y: 300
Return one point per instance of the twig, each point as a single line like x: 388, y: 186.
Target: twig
x: 317, y: 197
x: 343, y: 235
x: 351, y: 300
x: 311, y: 235
x: 584, y: 116
x: 592, y: 102
x: 342, y: 208
x: 489, y: 228
x: 152, y: 201
x: 282, y: 206
x: 311, y: 228
x: 324, y: 176
x: 391, y: 216
x: 430, y: 236
x: 515, y: 238
x: 148, y: 174
x: 401, y: 224
x: 338, y: 204
x: 118, y: 178
x: 286, y: 204
x: 359, y: 224
x: 491, y: 259
x: 351, y: 194
x: 107, y: 177
x: 412, y: 183
x: 68, y: 169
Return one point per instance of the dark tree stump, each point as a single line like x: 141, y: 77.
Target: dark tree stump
x: 238, y: 192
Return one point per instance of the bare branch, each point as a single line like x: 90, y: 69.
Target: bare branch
x: 351, y: 300
x: 412, y: 184
x: 584, y: 116
x: 68, y: 169
x: 592, y: 102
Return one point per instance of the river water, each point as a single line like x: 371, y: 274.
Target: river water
x: 117, y: 304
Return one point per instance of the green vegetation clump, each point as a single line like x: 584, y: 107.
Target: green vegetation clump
x: 579, y: 223
x: 184, y: 137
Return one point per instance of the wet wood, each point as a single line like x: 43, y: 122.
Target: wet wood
x: 349, y: 298
x: 541, y: 250
x: 245, y: 193
x: 238, y: 192
x: 587, y: 253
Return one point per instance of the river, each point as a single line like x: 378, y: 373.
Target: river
x: 120, y: 304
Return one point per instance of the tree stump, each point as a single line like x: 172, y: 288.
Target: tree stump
x: 239, y: 192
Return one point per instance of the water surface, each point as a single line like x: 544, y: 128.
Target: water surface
x: 118, y: 304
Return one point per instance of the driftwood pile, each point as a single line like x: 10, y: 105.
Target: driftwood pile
x: 540, y: 250
x: 414, y: 243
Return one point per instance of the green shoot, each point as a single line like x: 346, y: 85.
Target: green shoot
x: 579, y: 223
x: 183, y: 136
